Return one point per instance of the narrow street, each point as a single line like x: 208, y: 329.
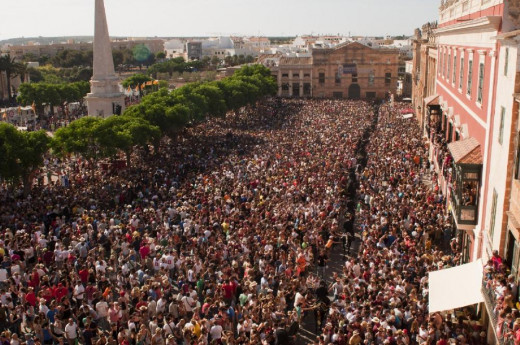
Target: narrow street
x: 338, y: 254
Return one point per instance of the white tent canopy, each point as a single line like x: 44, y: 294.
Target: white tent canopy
x: 455, y: 287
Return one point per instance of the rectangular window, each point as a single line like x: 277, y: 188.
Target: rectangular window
x: 321, y: 78
x: 371, y: 78
x: 506, y: 61
x: 454, y: 69
x: 441, y: 63
x: 354, y: 77
x: 445, y: 67
x: 296, y: 75
x: 493, y: 214
x: 285, y: 75
x: 388, y: 79
x: 501, y: 128
x: 480, y: 82
x: 337, y: 78
x: 461, y: 71
x: 470, y: 77
x: 449, y: 67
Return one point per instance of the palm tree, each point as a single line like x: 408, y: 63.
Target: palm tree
x: 11, y: 69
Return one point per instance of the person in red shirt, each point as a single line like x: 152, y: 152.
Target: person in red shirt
x: 60, y: 292
x: 229, y: 291
x: 144, y: 250
x: 47, y: 293
x: 35, y: 279
x: 30, y: 297
x: 497, y: 260
x: 83, y: 275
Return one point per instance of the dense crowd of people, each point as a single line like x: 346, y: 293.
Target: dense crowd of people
x: 224, y: 237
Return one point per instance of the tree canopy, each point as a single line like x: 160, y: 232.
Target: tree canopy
x: 52, y: 94
x: 159, y: 113
x: 192, y: 103
x: 22, y: 153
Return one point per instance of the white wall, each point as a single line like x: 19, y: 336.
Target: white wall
x: 499, y: 152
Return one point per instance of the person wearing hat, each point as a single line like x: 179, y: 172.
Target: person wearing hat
x: 355, y: 339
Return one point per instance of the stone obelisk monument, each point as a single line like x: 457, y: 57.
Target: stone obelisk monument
x: 105, y: 97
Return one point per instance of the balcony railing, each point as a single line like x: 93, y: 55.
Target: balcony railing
x: 505, y: 337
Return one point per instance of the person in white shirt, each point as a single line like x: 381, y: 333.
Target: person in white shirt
x: 102, y: 311
x: 79, y: 292
x: 216, y: 330
x: 71, y: 332
x: 189, y: 303
x: 3, y: 275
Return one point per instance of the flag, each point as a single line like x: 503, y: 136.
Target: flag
x: 142, y: 86
x: 137, y: 87
x: 156, y: 82
x: 4, y: 115
x: 19, y: 110
x: 129, y: 89
x: 148, y: 83
x: 33, y: 106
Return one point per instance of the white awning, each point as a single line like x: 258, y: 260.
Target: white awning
x: 407, y: 116
x: 455, y: 287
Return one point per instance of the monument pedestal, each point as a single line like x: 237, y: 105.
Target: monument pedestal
x: 105, y: 99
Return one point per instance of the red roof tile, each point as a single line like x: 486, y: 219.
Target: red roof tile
x: 466, y: 151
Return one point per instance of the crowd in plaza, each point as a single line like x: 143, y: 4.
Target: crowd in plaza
x: 224, y: 237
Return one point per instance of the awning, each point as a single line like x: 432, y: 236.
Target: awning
x: 455, y: 287
x: 432, y: 100
x: 407, y: 116
x: 466, y: 151
x: 407, y: 111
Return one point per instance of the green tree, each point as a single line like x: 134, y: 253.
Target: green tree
x: 135, y: 80
x: 22, y: 154
x: 11, y: 69
x: 216, y: 104
x: 160, y: 55
x: 78, y: 138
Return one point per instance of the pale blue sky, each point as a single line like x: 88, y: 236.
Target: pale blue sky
x: 31, y: 18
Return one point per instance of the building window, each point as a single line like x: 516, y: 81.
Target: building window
x: 461, y: 71
x: 306, y: 89
x: 371, y: 78
x: 306, y: 75
x: 454, y: 69
x: 354, y: 77
x: 321, y: 78
x: 388, y: 79
x: 470, y: 76
x: 337, y: 78
x: 444, y: 56
x: 296, y: 75
x: 501, y: 128
x: 480, y: 82
x: 441, y: 63
x: 506, y: 61
x: 493, y: 214
x: 285, y: 75
x: 449, y: 67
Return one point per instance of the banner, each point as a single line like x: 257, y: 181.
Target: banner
x: 349, y: 68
